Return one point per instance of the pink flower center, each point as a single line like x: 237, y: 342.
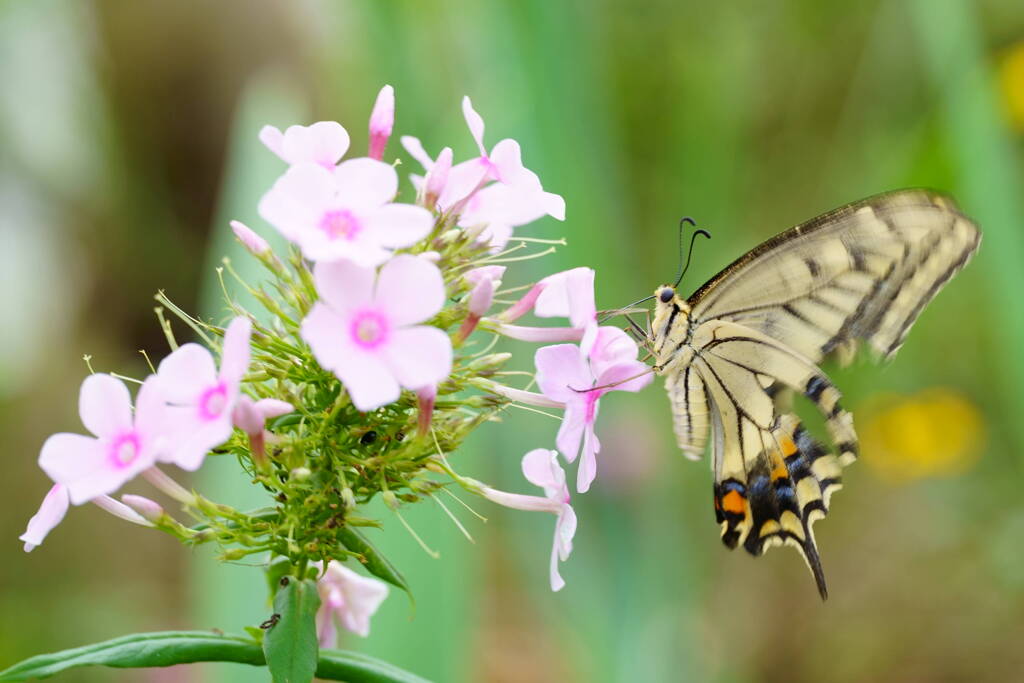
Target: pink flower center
x: 369, y: 329
x: 124, y: 449
x: 213, y: 401
x: 340, y: 224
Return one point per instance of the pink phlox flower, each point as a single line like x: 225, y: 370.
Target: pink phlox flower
x: 323, y: 143
x: 568, y: 294
x: 541, y: 468
x: 122, y: 446
x: 502, y: 207
x: 567, y: 375
x: 250, y: 416
x: 201, y: 400
x: 467, y: 187
x: 348, y: 599
x: 51, y: 512
x: 382, y: 121
x: 364, y: 328
x: 344, y: 214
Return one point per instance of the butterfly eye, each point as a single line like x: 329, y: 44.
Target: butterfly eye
x: 666, y: 295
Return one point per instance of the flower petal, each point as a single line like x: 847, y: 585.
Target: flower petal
x: 365, y: 183
x: 152, y: 416
x: 51, y: 512
x: 322, y: 143
x: 541, y: 468
x: 587, y: 469
x: 568, y: 294
x: 195, y: 439
x: 419, y: 356
x: 67, y: 458
x: 611, y: 345
x: 298, y: 199
x: 415, y: 149
x: 507, y: 158
x: 570, y: 433
x: 185, y: 373
x: 398, y: 225
x: 270, y: 408
x: 627, y: 376
x: 104, y: 405
x: 234, y: 359
x: 409, y: 289
x: 562, y: 373
x: 475, y: 123
x: 273, y: 138
x: 343, y: 286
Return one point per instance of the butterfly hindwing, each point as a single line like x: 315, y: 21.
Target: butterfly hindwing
x: 735, y: 351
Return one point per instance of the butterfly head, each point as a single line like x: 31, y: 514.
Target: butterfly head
x: 670, y: 325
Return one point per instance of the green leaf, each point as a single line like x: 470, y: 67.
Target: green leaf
x: 143, y: 650
x: 291, y: 644
x: 354, y: 667
x: 375, y: 563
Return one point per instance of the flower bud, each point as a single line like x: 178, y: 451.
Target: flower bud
x: 437, y: 178
x: 256, y: 245
x: 148, y: 509
x: 382, y: 120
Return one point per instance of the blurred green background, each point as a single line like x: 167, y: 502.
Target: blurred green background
x: 128, y: 139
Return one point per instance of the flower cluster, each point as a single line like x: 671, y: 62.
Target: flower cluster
x: 371, y: 361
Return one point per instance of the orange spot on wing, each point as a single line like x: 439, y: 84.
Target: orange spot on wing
x: 733, y: 502
x: 788, y: 447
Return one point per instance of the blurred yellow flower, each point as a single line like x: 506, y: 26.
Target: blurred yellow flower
x: 1011, y: 78
x: 932, y: 433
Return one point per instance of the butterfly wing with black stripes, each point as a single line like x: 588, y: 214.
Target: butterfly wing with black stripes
x: 861, y: 273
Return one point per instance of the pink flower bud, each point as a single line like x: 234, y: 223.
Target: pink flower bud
x: 425, y: 398
x: 149, y: 509
x: 249, y: 239
x: 523, y: 306
x: 437, y: 178
x: 382, y: 120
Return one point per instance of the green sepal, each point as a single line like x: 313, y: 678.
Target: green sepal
x: 290, y: 643
x: 373, y: 560
x: 168, y: 648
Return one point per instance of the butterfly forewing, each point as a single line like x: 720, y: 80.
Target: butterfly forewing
x: 758, y: 329
x: 862, y: 272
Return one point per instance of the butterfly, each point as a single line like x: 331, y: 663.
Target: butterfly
x: 735, y: 352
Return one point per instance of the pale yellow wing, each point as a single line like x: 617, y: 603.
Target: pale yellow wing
x: 862, y: 272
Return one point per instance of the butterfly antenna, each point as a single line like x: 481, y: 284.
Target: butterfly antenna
x: 693, y: 238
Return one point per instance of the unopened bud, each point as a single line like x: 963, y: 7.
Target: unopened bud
x: 382, y: 120
x: 491, y: 361
x: 148, y: 509
x: 255, y: 244
x: 436, y: 178
x: 390, y: 500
